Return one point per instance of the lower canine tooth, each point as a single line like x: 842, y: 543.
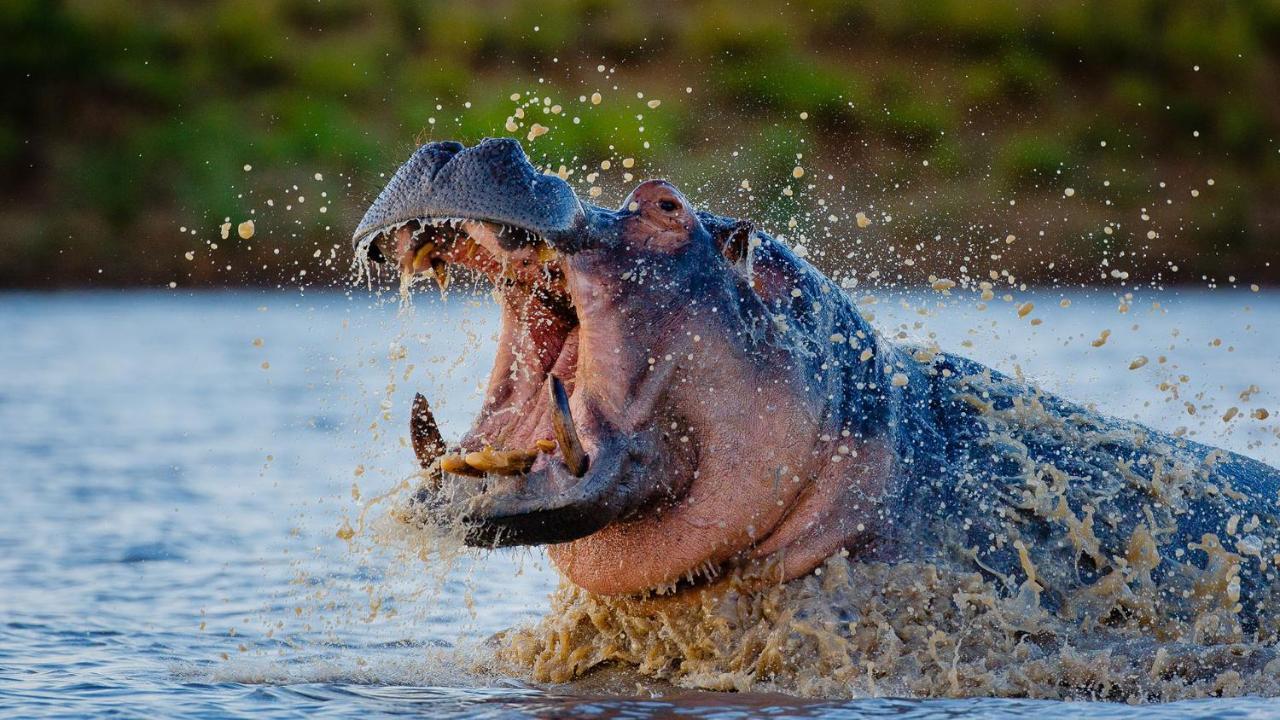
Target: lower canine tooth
x: 425, y: 433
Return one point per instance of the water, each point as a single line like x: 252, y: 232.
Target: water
x: 170, y: 543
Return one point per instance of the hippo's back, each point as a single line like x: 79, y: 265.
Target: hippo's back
x: 1106, y: 520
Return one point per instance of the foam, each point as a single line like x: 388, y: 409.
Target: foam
x: 875, y: 630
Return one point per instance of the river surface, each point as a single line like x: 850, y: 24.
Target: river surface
x: 178, y: 474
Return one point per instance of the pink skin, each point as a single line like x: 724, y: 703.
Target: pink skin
x: 743, y: 503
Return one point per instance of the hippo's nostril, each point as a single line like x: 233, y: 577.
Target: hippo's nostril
x: 668, y: 205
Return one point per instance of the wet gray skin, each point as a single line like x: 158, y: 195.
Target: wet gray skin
x: 707, y: 400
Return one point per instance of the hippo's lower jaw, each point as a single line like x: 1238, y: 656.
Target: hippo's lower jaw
x: 550, y: 504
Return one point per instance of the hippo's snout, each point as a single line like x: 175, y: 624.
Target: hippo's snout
x: 492, y: 181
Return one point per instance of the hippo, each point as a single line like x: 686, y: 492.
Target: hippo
x: 678, y: 396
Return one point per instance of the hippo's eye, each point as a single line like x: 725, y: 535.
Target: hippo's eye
x: 668, y: 205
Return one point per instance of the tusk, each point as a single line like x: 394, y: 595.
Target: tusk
x: 563, y: 428
x: 425, y: 433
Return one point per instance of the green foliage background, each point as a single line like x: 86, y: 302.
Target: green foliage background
x: 123, y: 120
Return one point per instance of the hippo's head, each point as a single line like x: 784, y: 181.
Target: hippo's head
x: 644, y: 415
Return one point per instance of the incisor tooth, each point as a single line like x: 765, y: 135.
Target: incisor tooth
x: 545, y: 445
x: 501, y: 462
x: 457, y: 465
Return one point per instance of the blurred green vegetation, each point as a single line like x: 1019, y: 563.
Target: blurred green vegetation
x: 125, y: 120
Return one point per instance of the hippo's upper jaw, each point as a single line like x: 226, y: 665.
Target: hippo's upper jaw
x: 491, y: 182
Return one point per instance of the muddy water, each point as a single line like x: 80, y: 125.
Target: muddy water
x: 178, y: 497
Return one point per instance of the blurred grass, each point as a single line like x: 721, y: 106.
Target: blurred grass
x: 123, y: 120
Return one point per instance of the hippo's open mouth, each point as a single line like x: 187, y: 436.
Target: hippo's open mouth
x: 538, y: 338
x: 656, y: 383
x: 517, y: 476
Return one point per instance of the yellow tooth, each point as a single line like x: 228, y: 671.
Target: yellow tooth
x: 501, y: 462
x: 421, y: 258
x: 457, y: 465
x: 545, y: 254
x: 545, y: 445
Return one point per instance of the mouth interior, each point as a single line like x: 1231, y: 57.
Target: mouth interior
x: 539, y: 326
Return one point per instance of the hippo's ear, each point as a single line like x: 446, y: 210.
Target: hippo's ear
x: 736, y: 244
